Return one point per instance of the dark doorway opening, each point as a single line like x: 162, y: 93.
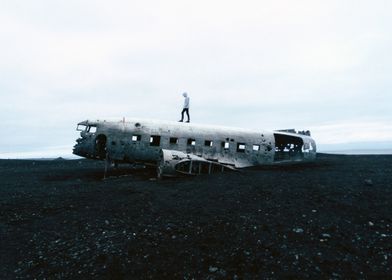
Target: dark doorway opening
x: 100, y: 146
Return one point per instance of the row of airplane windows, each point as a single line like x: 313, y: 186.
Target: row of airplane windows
x: 155, y: 140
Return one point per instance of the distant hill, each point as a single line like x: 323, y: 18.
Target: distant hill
x: 382, y: 147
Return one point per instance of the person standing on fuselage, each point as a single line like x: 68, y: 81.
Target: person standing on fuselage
x: 185, y: 107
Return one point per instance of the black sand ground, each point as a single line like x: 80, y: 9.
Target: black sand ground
x: 329, y: 220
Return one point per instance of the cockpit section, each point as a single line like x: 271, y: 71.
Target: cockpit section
x: 90, y: 144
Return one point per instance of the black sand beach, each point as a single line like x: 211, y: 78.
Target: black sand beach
x: 330, y: 220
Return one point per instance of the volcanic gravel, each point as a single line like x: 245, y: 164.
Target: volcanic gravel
x: 331, y: 219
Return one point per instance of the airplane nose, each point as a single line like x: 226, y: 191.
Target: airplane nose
x: 81, y: 148
x: 77, y: 150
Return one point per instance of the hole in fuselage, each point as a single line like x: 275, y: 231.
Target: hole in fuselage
x: 288, y: 147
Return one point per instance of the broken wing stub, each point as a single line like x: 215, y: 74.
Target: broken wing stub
x: 173, y: 163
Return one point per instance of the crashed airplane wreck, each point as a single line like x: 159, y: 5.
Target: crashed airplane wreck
x: 190, y: 149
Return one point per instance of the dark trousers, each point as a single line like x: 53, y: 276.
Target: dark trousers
x: 185, y: 110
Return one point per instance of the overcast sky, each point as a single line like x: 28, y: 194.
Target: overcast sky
x: 319, y: 65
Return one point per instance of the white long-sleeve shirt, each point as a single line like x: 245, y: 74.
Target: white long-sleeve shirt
x: 186, y: 102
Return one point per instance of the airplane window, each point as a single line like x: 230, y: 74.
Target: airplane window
x: 241, y: 147
x: 92, y: 129
x: 191, y: 142
x: 256, y: 147
x: 225, y: 145
x: 173, y: 140
x: 208, y: 143
x: 155, y: 140
x: 136, y: 138
x: 81, y: 127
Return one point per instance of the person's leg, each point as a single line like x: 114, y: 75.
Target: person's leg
x: 187, y: 113
x: 182, y: 115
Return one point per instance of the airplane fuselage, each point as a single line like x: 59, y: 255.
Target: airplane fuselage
x: 144, y: 140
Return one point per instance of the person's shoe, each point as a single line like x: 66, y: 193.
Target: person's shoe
x: 187, y: 121
x: 180, y: 121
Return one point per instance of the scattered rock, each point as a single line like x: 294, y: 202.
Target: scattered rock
x: 298, y: 230
x: 368, y: 182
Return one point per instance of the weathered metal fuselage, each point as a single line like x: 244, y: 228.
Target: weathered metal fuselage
x: 145, y: 140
